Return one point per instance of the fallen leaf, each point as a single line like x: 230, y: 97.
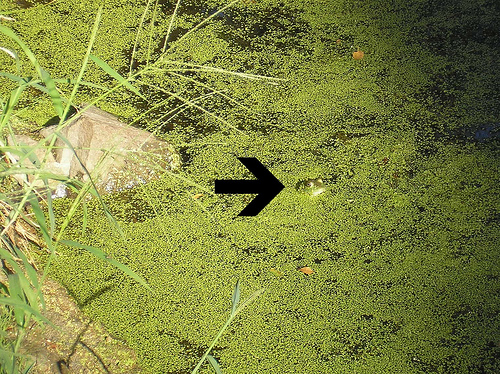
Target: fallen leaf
x: 358, y: 55
x: 197, y: 196
x: 306, y: 270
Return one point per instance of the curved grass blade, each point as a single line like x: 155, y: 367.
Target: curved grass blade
x: 35, y: 83
x: 136, y: 42
x: 198, y: 26
x: 108, y: 69
x: 211, y: 359
x: 170, y: 25
x: 11, y: 53
x: 84, y: 63
x: 40, y: 219
x: 109, y: 216
x: 103, y: 256
x: 27, y: 370
x: 19, y: 285
x: 44, y: 76
x: 26, y: 307
x: 53, y: 92
x: 151, y: 31
x: 236, y: 297
x: 226, y: 325
x: 9, y: 105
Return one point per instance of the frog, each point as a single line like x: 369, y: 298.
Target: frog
x: 311, y: 186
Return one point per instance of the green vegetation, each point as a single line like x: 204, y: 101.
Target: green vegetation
x: 404, y: 241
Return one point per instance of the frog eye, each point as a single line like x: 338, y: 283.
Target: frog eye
x: 309, y: 184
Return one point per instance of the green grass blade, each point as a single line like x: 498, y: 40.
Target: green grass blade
x: 103, y: 256
x: 236, y: 297
x: 44, y: 76
x: 35, y: 82
x: 170, y: 25
x: 25, y: 286
x: 26, y: 307
x: 211, y: 359
x: 198, y: 26
x: 84, y: 62
x: 53, y: 93
x: 40, y: 219
x: 50, y: 208
x: 32, y: 280
x: 16, y: 293
x: 7, y: 361
x: 81, y: 194
x: 14, y: 55
x: 151, y: 32
x: 108, y: 69
x: 27, y: 370
x: 11, y: 103
x: 17, y: 78
x: 226, y: 325
x: 136, y: 42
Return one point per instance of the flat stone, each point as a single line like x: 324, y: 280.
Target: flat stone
x: 115, y: 155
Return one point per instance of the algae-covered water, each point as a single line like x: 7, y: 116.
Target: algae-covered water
x: 404, y: 241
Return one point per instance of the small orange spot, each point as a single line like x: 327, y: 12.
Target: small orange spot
x: 338, y: 41
x: 358, y: 55
x: 197, y: 196
x: 384, y: 161
x: 306, y: 270
x: 276, y: 272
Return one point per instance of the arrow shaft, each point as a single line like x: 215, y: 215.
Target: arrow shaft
x: 237, y: 186
x: 266, y: 186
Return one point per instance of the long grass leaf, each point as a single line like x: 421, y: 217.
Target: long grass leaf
x: 10, y: 105
x: 191, y: 103
x: 8, y: 361
x: 30, y: 283
x: 40, y: 219
x: 136, y: 42
x: 33, y: 278
x: 84, y: 62
x: 11, y: 53
x: 8, y: 32
x: 50, y: 208
x: 16, y: 293
x: 198, y: 26
x: 211, y: 359
x: 108, y: 69
x: 197, y: 67
x: 103, y: 256
x: 170, y: 25
x: 25, y: 286
x: 151, y: 32
x: 27, y: 370
x: 35, y: 82
x: 26, y: 307
x: 236, y: 297
x: 226, y: 325
x: 44, y: 76
x: 53, y: 92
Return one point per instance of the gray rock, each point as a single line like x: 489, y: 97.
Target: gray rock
x: 115, y: 155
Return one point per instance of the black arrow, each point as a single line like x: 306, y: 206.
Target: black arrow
x: 266, y: 186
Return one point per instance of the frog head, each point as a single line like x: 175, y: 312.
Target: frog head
x: 311, y: 187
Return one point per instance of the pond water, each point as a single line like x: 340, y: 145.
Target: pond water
x: 401, y: 245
